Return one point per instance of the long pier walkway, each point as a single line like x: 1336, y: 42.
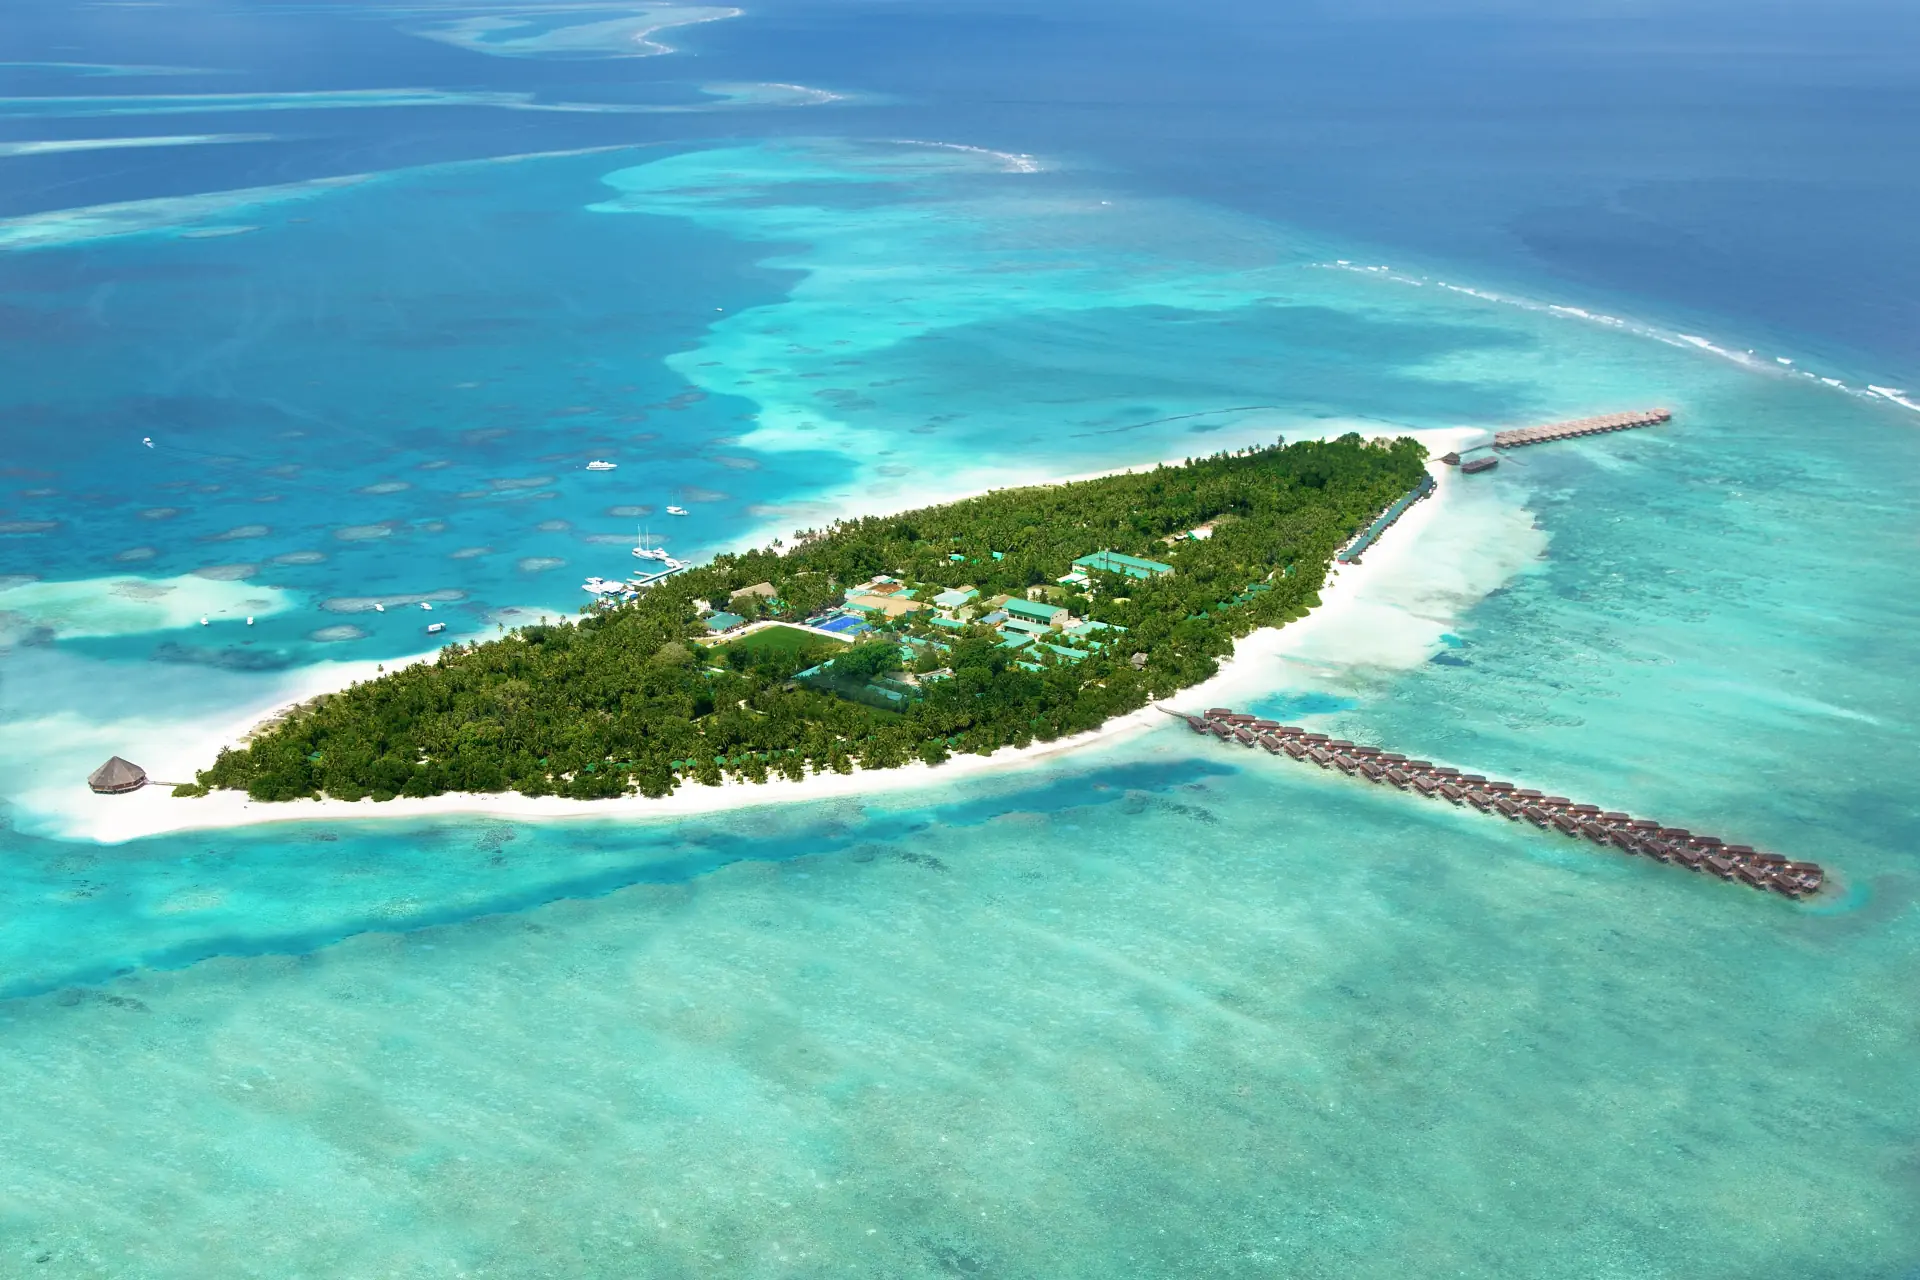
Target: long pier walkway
x: 1350, y: 554
x: 1640, y: 836
x: 1580, y: 427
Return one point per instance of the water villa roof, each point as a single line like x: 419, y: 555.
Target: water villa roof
x: 1131, y: 566
x: 116, y: 776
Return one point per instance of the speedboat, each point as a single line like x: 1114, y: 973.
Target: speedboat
x: 600, y: 464
x: 676, y: 511
x: 427, y: 605
x: 378, y: 607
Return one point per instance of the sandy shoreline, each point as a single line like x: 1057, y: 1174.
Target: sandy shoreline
x: 1257, y: 666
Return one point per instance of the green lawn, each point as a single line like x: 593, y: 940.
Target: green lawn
x: 787, y: 640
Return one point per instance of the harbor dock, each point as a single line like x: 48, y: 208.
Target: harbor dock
x: 1641, y: 837
x: 1606, y: 422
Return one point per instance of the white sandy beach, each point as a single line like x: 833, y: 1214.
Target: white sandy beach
x: 1389, y: 611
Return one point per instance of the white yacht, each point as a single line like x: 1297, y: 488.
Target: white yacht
x: 644, y: 552
x: 435, y: 628
x: 603, y: 586
x: 676, y: 511
x: 427, y: 606
x: 601, y: 464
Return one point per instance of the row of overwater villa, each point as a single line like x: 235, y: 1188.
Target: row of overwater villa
x: 1644, y: 837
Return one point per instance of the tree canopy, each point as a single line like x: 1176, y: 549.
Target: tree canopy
x: 638, y: 697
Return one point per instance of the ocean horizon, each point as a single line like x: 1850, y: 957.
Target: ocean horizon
x: 315, y: 317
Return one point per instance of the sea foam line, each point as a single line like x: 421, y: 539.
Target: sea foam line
x: 52, y: 146
x: 1778, y: 366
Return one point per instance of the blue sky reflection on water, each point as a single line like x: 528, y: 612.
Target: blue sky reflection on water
x: 1152, y: 1008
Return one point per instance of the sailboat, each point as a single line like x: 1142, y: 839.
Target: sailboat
x: 645, y: 552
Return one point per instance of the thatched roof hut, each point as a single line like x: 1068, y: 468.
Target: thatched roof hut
x: 116, y: 776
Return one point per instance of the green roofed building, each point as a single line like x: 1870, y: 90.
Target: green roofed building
x: 718, y: 622
x: 1131, y: 566
x: 1032, y: 610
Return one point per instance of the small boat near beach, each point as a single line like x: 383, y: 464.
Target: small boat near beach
x: 435, y: 628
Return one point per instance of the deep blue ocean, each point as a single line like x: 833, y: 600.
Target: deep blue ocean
x: 314, y: 314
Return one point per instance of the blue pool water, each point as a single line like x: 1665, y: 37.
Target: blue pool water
x: 1158, y: 1007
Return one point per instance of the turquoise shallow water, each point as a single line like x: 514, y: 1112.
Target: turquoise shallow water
x: 1164, y: 1008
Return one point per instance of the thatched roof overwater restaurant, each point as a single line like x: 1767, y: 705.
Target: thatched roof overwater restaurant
x: 116, y: 776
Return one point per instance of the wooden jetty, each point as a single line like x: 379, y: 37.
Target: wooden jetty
x: 1580, y: 427
x: 1642, y: 837
x: 1350, y: 554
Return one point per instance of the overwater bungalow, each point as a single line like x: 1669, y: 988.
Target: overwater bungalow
x: 117, y: 777
x: 1642, y: 836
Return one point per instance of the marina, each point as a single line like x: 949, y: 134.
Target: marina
x: 1640, y: 837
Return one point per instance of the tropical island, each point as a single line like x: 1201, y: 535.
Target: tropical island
x: 1016, y: 616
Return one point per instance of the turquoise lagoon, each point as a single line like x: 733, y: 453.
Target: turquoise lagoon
x: 1153, y: 1008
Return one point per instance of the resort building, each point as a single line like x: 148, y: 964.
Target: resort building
x: 1035, y: 611
x: 893, y: 605
x: 1115, y: 562
x: 722, y: 622
x: 762, y: 590
x: 955, y: 597
x: 117, y: 777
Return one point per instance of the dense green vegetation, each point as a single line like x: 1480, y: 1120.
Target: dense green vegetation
x: 629, y: 698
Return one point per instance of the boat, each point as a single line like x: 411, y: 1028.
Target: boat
x: 378, y: 607
x: 601, y: 464
x: 435, y: 628
x: 427, y: 605
x: 642, y: 551
x: 203, y: 620
x: 603, y: 586
x: 676, y: 511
